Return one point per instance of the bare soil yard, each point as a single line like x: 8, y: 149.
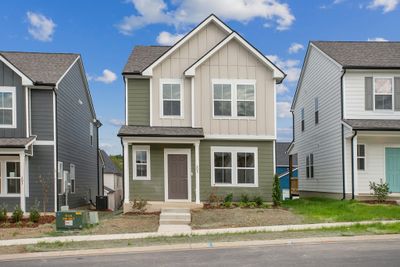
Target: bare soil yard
x: 237, y: 217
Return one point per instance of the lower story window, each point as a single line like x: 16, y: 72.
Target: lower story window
x: 13, y: 177
x: 361, y: 157
x: 141, y: 162
x: 234, y: 166
x: 310, y: 166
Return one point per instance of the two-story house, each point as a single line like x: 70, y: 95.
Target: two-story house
x: 200, y: 118
x: 48, y: 131
x: 347, y: 118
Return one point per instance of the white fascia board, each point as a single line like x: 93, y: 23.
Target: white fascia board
x: 25, y: 80
x: 278, y: 74
x: 149, y: 70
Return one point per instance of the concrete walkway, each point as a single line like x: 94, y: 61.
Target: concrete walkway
x: 276, y: 228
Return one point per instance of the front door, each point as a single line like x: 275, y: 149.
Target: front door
x: 177, y: 176
x: 393, y: 169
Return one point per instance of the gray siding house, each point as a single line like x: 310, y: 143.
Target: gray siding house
x: 200, y: 118
x: 48, y: 131
x: 347, y: 119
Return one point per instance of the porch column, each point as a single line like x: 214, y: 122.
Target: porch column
x: 22, y: 180
x: 197, y: 166
x: 126, y: 172
x: 355, y: 165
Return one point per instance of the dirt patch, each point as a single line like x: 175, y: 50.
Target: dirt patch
x: 386, y: 202
x: 25, y: 223
x: 25, y: 232
x: 222, y: 218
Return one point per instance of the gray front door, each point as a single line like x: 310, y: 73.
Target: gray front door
x: 177, y: 176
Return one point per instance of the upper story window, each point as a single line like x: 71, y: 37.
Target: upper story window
x: 234, y: 98
x: 316, y: 110
x: 302, y: 120
x: 7, y: 107
x: 383, y: 91
x: 91, y: 133
x: 171, y: 100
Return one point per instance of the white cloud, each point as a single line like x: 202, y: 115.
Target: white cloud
x: 282, y: 89
x: 166, y: 38
x: 295, y: 48
x: 116, y: 122
x: 189, y: 12
x: 377, y: 39
x: 291, y: 67
x: 283, y: 110
x: 40, y: 27
x: 386, y: 5
x: 107, y: 77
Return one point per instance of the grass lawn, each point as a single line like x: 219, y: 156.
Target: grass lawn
x: 316, y: 210
x: 373, y: 229
x: 237, y: 217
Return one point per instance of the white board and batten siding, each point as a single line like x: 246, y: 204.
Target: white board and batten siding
x: 321, y: 78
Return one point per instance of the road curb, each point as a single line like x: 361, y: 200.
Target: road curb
x: 196, y: 246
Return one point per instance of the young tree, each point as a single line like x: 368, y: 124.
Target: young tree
x: 276, y: 192
x: 44, y: 182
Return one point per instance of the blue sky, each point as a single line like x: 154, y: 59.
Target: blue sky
x: 104, y: 33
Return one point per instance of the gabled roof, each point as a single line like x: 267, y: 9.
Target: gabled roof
x: 278, y: 73
x: 160, y: 131
x: 362, y: 55
x: 374, y: 125
x: 282, y: 157
x: 108, y: 164
x: 141, y: 57
x: 41, y: 68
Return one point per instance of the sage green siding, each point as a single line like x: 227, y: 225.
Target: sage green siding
x: 138, y: 102
x: 153, y: 190
x: 265, y: 170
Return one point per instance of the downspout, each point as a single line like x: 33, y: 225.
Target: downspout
x: 123, y: 173
x: 342, y: 116
x: 352, y: 164
x: 98, y: 166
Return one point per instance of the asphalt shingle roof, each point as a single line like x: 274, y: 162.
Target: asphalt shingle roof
x: 15, y: 142
x: 160, y: 131
x: 109, y: 166
x: 41, y: 68
x: 282, y: 158
x: 142, y: 56
x: 362, y: 54
x: 374, y: 124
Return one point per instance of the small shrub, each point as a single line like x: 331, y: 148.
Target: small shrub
x: 17, y: 214
x: 242, y: 205
x: 34, y: 214
x: 228, y: 198
x: 380, y: 191
x: 139, y: 204
x: 3, y: 213
x: 258, y: 200
x: 213, y: 199
x: 244, y: 198
x: 251, y: 205
x: 276, y: 192
x: 227, y: 204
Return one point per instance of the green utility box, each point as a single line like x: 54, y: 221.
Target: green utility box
x: 71, y: 220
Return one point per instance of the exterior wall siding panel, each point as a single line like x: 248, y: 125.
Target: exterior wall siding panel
x: 139, y: 102
x: 42, y: 114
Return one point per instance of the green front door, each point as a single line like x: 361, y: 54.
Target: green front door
x: 393, y: 169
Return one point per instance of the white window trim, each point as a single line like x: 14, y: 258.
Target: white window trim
x: 12, y: 90
x: 363, y: 157
x: 171, y: 81
x: 234, y: 99
x: 134, y: 150
x: 234, y: 151
x: 6, y: 178
x: 373, y: 86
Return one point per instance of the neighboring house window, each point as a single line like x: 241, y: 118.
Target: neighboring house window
x: 72, y: 177
x: 13, y: 177
x: 171, y: 104
x: 234, y: 98
x: 7, y: 107
x: 383, y: 89
x: 361, y: 157
x: 141, y: 162
x: 316, y: 110
x: 60, y: 178
x: 234, y: 166
x: 91, y: 133
x: 310, y: 166
x: 222, y: 100
x: 302, y: 120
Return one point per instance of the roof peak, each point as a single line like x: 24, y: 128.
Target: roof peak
x: 41, y: 53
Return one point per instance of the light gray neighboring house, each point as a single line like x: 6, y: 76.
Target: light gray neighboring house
x: 347, y: 118
x: 112, y: 181
x: 200, y: 118
x: 48, y: 131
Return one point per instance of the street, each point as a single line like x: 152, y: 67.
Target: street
x: 371, y: 253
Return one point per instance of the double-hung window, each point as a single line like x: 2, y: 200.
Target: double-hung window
x: 361, y: 157
x: 383, y: 91
x: 310, y: 166
x: 72, y: 177
x: 60, y: 178
x: 171, y: 98
x: 302, y: 120
x: 91, y: 126
x: 141, y: 162
x: 7, y: 107
x: 234, y: 166
x: 234, y: 98
x: 13, y: 177
x: 316, y: 110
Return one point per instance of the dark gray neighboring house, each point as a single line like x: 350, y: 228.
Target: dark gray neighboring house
x: 48, y: 131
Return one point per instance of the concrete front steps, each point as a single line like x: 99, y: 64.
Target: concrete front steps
x: 175, y: 220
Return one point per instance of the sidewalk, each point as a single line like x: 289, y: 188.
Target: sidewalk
x: 275, y: 228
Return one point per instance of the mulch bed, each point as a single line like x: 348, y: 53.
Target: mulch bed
x: 25, y: 223
x: 143, y: 213
x: 373, y: 201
